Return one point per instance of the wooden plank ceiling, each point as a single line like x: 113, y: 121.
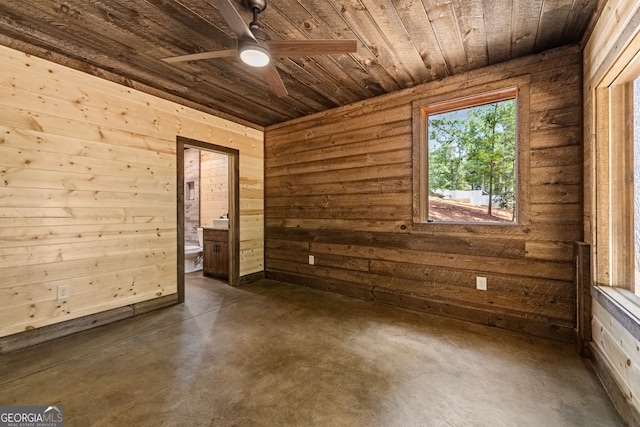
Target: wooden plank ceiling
x: 401, y: 43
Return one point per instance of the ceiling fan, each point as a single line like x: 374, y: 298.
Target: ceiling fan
x: 256, y: 48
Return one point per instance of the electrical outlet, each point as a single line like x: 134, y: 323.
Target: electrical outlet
x: 312, y: 260
x: 63, y: 292
x: 481, y: 283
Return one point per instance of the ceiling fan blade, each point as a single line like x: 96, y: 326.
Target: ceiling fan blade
x: 311, y: 47
x: 234, y: 20
x: 274, y: 81
x: 202, y: 55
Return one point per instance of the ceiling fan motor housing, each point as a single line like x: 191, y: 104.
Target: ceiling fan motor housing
x: 252, y: 5
x: 258, y: 33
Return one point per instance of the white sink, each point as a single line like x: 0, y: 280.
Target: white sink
x: 221, y: 224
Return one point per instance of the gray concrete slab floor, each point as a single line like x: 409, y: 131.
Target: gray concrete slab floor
x: 273, y: 354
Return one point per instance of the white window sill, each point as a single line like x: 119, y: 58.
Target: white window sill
x: 623, y: 305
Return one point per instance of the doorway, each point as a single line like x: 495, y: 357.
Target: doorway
x: 233, y: 157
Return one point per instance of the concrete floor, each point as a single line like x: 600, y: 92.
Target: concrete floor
x: 272, y: 354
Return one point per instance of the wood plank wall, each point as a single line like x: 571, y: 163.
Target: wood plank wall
x: 88, y: 192
x: 339, y: 186
x: 215, y: 186
x: 614, y: 348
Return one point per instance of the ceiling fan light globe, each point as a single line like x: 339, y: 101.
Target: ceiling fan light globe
x: 255, y: 56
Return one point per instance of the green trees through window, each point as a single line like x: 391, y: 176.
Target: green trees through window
x: 472, y: 168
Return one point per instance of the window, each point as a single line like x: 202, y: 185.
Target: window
x: 636, y: 183
x: 618, y: 178
x: 466, y: 157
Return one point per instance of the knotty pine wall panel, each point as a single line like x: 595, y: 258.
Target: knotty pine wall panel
x: 338, y: 186
x: 88, y: 194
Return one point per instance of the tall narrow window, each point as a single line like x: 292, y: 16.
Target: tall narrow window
x: 618, y: 179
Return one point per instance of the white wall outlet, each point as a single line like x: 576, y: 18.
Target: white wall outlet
x: 481, y: 283
x: 63, y: 292
x: 312, y: 260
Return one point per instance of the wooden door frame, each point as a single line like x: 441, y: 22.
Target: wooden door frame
x: 234, y: 207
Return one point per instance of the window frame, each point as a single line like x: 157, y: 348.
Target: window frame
x: 615, y: 262
x: 461, y: 98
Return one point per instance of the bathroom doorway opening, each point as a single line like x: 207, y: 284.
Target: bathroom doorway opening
x: 188, y: 192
